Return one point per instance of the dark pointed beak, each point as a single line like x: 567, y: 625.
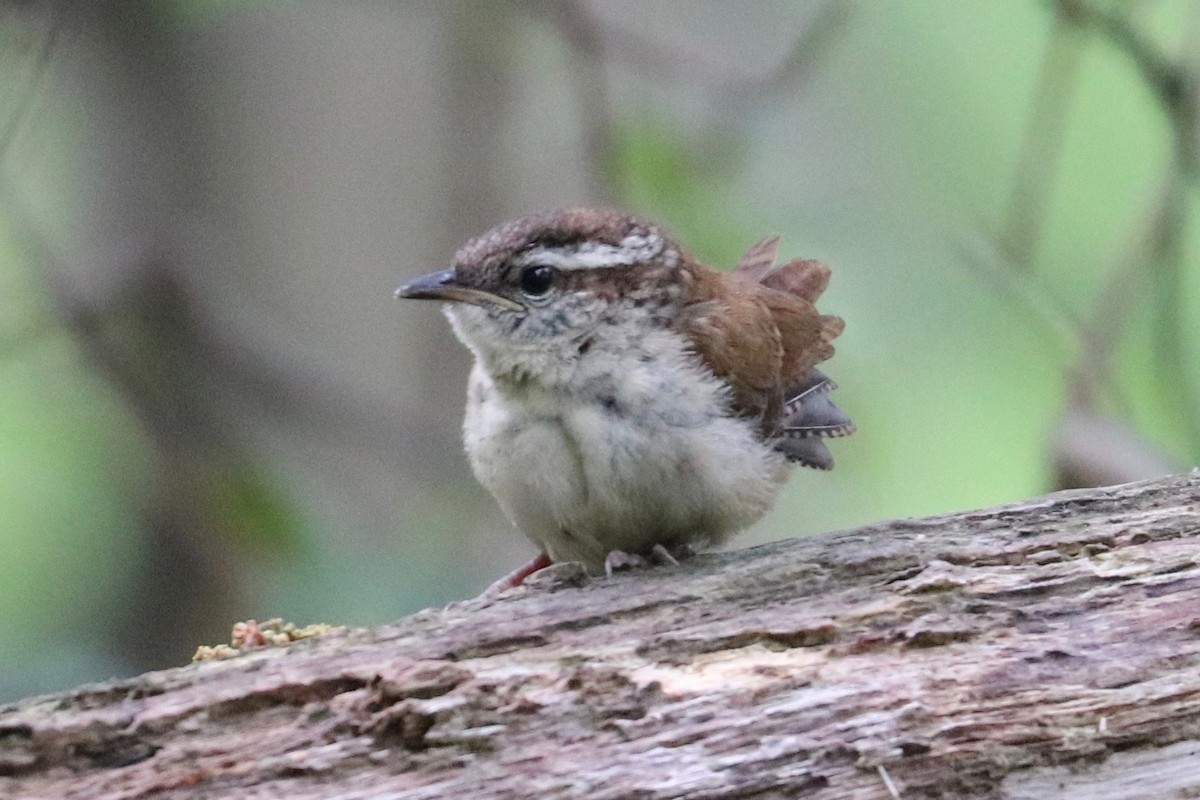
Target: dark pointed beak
x: 429, y: 287
x: 445, y: 287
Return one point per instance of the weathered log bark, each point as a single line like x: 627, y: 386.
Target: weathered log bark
x: 1048, y: 649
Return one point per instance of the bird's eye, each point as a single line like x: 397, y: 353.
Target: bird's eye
x: 536, y: 280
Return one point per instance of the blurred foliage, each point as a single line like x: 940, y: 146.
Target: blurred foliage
x: 985, y: 250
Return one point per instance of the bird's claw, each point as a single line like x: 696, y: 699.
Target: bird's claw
x: 618, y: 560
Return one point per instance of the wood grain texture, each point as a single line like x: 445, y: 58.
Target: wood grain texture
x: 1048, y: 649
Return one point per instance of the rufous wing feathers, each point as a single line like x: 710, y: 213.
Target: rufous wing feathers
x: 761, y: 332
x: 758, y: 261
x: 802, y: 277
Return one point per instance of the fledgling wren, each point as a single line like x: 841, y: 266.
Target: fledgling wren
x: 627, y: 399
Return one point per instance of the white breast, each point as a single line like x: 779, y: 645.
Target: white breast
x: 622, y: 456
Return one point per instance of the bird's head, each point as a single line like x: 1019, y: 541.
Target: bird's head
x: 540, y: 286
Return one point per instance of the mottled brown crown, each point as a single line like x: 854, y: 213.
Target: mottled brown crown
x: 553, y: 229
x: 604, y: 252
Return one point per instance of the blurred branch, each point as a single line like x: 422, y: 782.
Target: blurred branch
x: 24, y: 101
x: 697, y: 66
x: 1172, y: 82
x: 597, y: 45
x: 1091, y: 450
x: 801, y: 62
x: 1086, y: 448
x: 1101, y: 330
x: 1175, y: 85
x: 477, y: 84
x: 1037, y: 165
x: 137, y: 342
x: 1057, y: 325
x: 1171, y: 334
x: 1160, y: 250
x: 134, y: 329
x: 582, y: 33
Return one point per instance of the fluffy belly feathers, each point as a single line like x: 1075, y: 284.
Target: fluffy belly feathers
x: 584, y: 478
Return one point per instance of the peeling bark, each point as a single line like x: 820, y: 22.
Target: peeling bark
x: 1048, y: 649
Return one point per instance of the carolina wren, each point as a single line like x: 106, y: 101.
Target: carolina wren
x: 626, y: 398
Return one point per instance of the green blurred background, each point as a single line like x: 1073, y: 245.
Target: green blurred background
x: 212, y: 409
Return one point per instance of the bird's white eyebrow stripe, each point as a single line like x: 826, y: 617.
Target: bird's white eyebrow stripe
x: 632, y: 249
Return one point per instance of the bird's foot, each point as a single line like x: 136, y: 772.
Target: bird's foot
x: 559, y: 575
x: 663, y: 554
x: 618, y: 560
x: 515, y: 578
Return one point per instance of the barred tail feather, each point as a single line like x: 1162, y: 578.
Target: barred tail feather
x: 810, y: 452
x: 810, y: 416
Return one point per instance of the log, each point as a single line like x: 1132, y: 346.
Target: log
x: 1046, y: 649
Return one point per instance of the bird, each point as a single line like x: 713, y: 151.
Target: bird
x: 627, y: 402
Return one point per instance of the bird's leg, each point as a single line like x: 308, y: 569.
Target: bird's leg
x: 515, y: 578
